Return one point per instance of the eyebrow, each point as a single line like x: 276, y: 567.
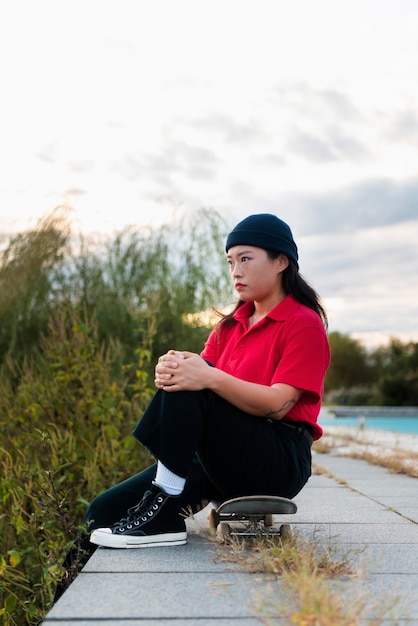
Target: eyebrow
x: 228, y: 256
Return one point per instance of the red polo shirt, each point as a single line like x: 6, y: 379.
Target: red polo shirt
x: 289, y: 345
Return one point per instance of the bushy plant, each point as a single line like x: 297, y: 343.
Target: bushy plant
x: 66, y: 436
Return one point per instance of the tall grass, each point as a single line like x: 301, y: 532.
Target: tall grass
x: 123, y: 280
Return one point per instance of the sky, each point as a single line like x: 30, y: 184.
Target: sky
x: 131, y: 112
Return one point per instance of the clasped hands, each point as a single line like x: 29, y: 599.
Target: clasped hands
x: 181, y: 371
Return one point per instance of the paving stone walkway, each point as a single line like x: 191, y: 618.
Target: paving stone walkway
x: 360, y: 508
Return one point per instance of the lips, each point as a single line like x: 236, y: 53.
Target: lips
x: 239, y: 286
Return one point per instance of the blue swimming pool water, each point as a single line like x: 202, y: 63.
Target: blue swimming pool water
x: 394, y: 424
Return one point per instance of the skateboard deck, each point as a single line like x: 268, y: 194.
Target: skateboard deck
x: 255, y: 515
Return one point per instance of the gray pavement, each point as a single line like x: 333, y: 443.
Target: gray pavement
x: 359, y: 509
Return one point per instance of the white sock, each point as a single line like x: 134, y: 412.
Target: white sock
x: 167, y: 480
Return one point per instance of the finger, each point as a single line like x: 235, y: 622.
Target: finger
x: 164, y: 376
x: 166, y: 368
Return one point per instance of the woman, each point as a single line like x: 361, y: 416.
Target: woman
x: 239, y: 418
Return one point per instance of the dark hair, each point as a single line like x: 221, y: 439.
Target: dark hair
x: 293, y: 284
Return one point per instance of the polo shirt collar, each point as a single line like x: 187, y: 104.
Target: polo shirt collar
x: 280, y: 312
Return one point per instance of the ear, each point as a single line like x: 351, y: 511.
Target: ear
x: 282, y: 262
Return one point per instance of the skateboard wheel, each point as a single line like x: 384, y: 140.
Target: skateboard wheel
x: 285, y: 531
x: 269, y: 519
x: 223, y: 532
x: 213, y: 521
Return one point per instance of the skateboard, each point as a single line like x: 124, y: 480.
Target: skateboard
x: 255, y: 515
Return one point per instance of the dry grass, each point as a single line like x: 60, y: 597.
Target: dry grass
x: 321, y: 584
x: 395, y: 459
x: 273, y: 554
x: 399, y: 462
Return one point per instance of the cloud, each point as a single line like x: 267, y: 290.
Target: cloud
x: 73, y: 192
x: 175, y: 157
x: 321, y: 123
x: 82, y: 165
x: 311, y: 102
x: 403, y: 127
x: 370, y: 274
x: 229, y: 129
x: 48, y: 153
x: 346, y: 210
x: 369, y: 204
x: 330, y: 144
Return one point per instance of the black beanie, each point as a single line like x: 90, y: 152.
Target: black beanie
x: 264, y: 231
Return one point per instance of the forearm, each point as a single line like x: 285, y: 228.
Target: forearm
x: 270, y: 402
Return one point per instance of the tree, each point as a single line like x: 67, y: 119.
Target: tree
x: 398, y: 385
x: 351, y: 365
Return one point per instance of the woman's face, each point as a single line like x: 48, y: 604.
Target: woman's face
x: 255, y: 275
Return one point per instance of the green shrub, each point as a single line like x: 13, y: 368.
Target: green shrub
x: 66, y: 437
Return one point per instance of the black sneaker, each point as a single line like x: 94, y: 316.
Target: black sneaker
x: 155, y: 521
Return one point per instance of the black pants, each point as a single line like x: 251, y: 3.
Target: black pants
x: 220, y: 450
